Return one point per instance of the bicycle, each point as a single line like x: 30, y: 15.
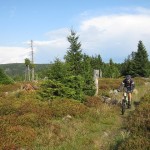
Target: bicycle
x: 125, y: 103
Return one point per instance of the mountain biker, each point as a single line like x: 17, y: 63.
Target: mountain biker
x: 128, y: 86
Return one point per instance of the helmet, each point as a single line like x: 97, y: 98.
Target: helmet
x: 128, y: 77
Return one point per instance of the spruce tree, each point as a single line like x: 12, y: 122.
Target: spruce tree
x: 127, y: 66
x: 89, y: 85
x: 57, y: 71
x: 72, y: 78
x: 111, y: 70
x: 141, y: 61
x: 74, y: 55
x: 96, y: 62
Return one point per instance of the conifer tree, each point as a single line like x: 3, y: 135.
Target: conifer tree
x: 111, y: 70
x: 72, y: 78
x: 127, y: 66
x: 96, y: 62
x: 141, y: 61
x: 74, y: 55
x: 89, y: 86
x: 57, y: 71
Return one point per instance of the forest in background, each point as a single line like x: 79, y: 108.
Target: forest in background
x: 17, y: 70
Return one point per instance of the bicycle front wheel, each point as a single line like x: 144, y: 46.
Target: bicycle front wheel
x: 123, y: 108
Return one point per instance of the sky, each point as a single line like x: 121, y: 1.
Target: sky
x: 109, y: 28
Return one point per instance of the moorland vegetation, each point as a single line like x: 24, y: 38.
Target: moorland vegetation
x: 61, y: 110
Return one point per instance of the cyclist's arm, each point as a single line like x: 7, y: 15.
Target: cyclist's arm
x: 121, y: 87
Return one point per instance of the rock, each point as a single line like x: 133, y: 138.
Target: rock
x: 135, y: 91
x: 114, y: 102
x: 29, y: 87
x: 68, y: 117
x: 113, y: 92
x: 6, y: 93
x: 106, y: 100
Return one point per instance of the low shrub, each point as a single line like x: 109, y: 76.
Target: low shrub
x: 55, y: 89
x: 28, y: 119
x: 63, y: 107
x: 109, y: 83
x: 6, y: 107
x: 139, y: 81
x: 135, y: 143
x: 17, y: 137
x: 93, y: 102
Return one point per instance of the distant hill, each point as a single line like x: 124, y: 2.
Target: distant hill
x: 4, y: 79
x: 18, y: 69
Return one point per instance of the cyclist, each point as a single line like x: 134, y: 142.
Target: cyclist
x: 128, y: 86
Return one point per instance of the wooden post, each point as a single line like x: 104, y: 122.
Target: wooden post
x: 96, y: 76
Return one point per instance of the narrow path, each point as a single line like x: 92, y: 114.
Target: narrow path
x: 121, y: 133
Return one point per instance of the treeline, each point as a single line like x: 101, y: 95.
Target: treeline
x: 17, y: 70
x: 73, y: 77
x: 136, y: 64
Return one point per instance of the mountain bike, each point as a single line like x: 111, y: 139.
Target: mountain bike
x: 124, y: 103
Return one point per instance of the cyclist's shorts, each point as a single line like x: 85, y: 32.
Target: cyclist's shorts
x: 128, y: 89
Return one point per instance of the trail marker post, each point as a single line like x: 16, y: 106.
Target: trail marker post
x: 96, y: 76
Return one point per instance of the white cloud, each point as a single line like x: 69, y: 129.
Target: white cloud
x: 44, y: 51
x: 13, y: 54
x: 48, y: 50
x: 58, y: 34
x: 113, y: 35
x: 56, y: 46
x: 58, y: 43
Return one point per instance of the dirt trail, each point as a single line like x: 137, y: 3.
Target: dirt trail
x: 111, y: 137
